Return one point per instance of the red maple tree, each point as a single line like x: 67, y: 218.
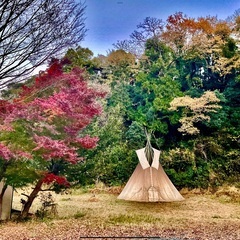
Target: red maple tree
x: 53, y: 111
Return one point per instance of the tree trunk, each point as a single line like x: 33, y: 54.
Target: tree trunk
x: 31, y: 198
x: 1, y: 199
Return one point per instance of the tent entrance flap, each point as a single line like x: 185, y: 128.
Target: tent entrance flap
x: 152, y: 194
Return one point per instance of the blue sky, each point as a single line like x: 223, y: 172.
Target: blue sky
x: 111, y: 20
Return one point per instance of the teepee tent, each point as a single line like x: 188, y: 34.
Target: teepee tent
x: 6, y: 202
x: 149, y: 182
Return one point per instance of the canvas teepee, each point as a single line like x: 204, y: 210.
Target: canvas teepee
x: 149, y: 182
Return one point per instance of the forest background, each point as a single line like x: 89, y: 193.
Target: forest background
x: 177, y: 78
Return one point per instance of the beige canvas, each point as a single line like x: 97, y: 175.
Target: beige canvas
x: 150, y: 183
x: 7, y: 202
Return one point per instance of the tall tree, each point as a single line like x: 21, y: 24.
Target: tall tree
x: 32, y: 31
x: 120, y: 64
x: 151, y: 27
x: 48, y: 117
x: 153, y: 88
x: 179, y: 29
x: 81, y: 57
x: 120, y: 58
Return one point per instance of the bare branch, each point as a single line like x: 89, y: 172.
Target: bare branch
x: 33, y: 31
x: 150, y: 28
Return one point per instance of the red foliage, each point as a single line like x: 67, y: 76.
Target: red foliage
x: 44, y: 78
x: 52, y: 178
x: 68, y: 97
x: 64, y: 96
x: 87, y: 141
x: 56, y: 149
x: 3, y: 106
x: 52, y: 111
x: 5, y: 152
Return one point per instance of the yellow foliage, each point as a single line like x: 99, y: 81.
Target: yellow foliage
x: 195, y: 110
x: 181, y: 154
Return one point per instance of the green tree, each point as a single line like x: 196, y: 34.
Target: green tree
x: 81, y: 57
x: 154, y: 88
x: 113, y: 159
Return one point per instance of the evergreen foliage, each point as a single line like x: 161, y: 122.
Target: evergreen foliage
x: 184, y: 89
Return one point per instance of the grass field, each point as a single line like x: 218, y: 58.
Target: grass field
x: 97, y: 212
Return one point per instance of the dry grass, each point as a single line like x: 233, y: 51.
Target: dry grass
x: 98, y: 212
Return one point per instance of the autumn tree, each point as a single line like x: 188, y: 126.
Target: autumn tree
x: 33, y: 31
x: 120, y: 58
x: 49, y: 116
x: 205, y: 48
x: 120, y: 64
x: 195, y: 110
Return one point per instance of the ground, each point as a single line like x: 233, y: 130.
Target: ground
x: 203, y: 215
